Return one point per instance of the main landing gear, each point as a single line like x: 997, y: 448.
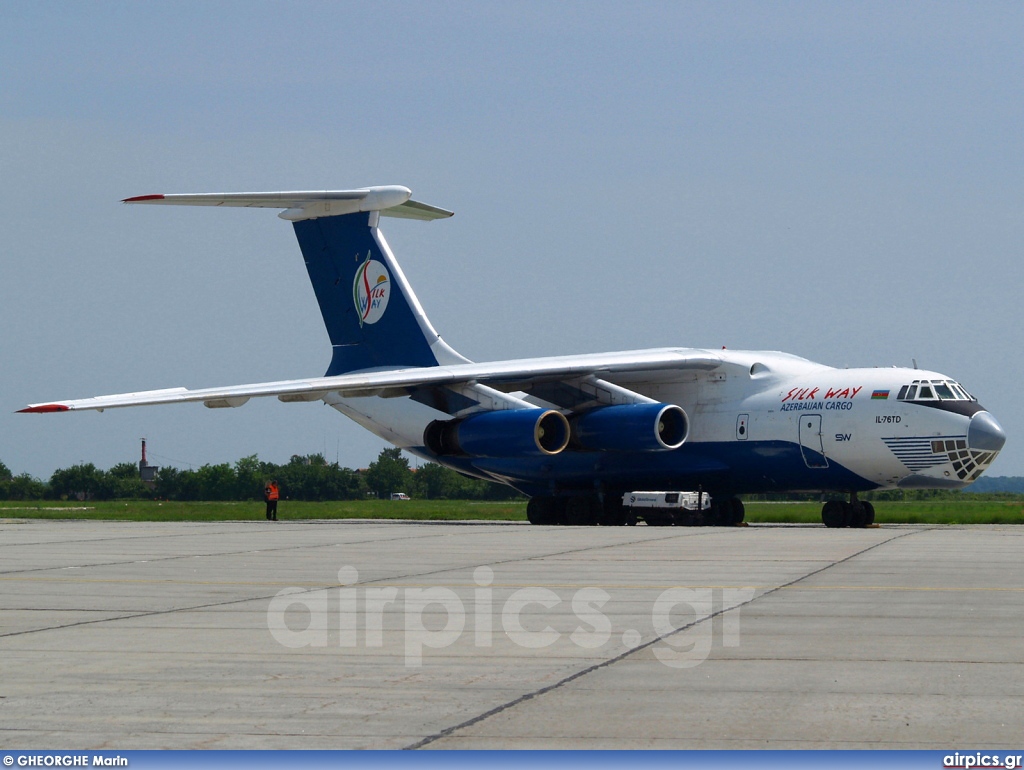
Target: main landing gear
x: 856, y: 513
x: 609, y: 511
x: 578, y: 511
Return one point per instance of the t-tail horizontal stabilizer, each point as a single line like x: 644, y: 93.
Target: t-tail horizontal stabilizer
x: 371, y: 313
x: 389, y: 200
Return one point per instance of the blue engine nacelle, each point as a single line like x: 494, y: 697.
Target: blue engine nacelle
x: 631, y: 428
x: 506, y: 433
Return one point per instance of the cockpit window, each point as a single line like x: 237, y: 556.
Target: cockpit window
x: 930, y: 390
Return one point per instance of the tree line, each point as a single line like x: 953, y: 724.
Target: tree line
x: 311, y: 477
x: 304, y: 477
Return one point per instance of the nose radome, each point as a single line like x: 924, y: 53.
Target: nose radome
x: 985, y: 433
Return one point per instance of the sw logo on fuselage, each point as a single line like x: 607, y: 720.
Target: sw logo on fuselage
x: 370, y: 291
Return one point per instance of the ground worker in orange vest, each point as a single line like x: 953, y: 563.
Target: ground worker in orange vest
x: 271, y: 493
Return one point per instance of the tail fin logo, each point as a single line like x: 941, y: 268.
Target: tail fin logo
x: 370, y: 291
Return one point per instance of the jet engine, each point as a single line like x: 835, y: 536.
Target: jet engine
x: 504, y: 433
x: 631, y: 428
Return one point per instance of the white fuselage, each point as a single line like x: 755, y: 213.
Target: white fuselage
x: 773, y: 421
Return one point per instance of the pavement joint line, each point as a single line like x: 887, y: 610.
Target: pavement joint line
x: 305, y: 546
x: 148, y: 536
x: 648, y: 537
x: 257, y: 656
x: 195, y: 531
x: 154, y: 613
x: 616, y: 586
x: 132, y: 616
x: 450, y: 731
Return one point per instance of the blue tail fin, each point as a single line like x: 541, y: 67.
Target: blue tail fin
x: 372, y: 315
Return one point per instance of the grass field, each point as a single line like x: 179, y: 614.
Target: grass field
x: 146, y: 510
x: 945, y: 512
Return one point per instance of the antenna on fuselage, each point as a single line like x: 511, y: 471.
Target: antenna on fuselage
x: 915, y: 362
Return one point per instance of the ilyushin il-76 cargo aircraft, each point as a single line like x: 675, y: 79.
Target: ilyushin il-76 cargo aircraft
x: 577, y: 432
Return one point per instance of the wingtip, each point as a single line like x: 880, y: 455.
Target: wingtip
x: 143, y: 198
x: 44, y: 409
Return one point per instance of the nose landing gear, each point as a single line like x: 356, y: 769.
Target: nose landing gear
x: 855, y: 513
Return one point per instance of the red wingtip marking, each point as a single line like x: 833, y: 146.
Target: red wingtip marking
x: 139, y: 198
x: 43, y: 409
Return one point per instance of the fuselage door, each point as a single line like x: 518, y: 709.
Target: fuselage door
x: 811, y: 446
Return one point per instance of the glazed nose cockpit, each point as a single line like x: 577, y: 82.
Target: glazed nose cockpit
x: 985, y: 436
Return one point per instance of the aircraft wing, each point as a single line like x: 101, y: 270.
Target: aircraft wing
x: 501, y: 375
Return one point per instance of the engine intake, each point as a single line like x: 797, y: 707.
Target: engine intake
x: 631, y: 428
x: 506, y: 433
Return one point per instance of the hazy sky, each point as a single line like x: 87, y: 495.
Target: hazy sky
x: 842, y: 181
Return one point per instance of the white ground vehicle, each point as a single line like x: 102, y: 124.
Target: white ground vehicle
x: 662, y: 509
x: 400, y: 496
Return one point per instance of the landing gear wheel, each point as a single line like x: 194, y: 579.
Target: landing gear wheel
x: 861, y: 515
x: 546, y: 510
x: 715, y: 515
x: 834, y: 513
x: 736, y: 511
x: 869, y: 514
x: 613, y: 512
x: 581, y: 511
x: 858, y: 516
x: 725, y: 512
x: 541, y: 510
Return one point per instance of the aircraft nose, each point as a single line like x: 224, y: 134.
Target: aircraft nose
x: 985, y: 433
